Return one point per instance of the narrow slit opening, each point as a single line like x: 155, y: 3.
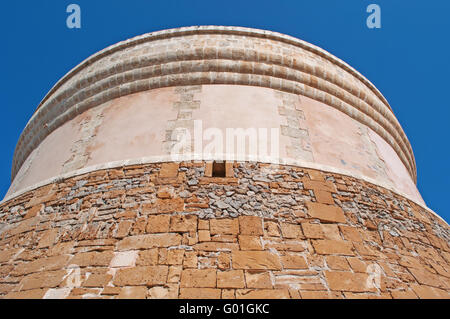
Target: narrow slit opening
x: 218, y: 169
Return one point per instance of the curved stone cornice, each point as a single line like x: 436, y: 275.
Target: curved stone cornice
x: 214, y: 55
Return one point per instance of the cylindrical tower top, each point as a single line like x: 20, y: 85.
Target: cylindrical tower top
x: 212, y: 55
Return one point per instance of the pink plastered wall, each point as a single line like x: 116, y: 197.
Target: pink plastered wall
x: 136, y: 126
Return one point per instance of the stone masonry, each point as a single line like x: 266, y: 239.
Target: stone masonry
x: 170, y: 230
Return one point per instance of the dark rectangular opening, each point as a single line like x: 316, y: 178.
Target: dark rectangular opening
x: 218, y: 169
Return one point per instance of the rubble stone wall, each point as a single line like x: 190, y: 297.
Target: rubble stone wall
x: 171, y: 230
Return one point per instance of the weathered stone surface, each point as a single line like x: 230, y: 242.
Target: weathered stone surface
x: 427, y: 292
x: 262, y: 294
x: 92, y: 259
x: 359, y: 295
x: 293, y: 261
x: 313, y: 231
x: 319, y: 185
x: 250, y: 225
x: 183, y: 223
x: 331, y: 231
x: 337, y: 263
x: 427, y: 278
x: 27, y: 294
x: 175, y: 256
x: 350, y: 233
x: 147, y: 257
x: 84, y: 293
x: 48, y: 279
x: 250, y: 242
x: 141, y: 275
x: 7, y: 254
x: 216, y: 246
x: 42, y: 264
x: 57, y: 293
x: 224, y: 226
x: 33, y: 211
x: 291, y: 230
x: 111, y: 291
x: 204, y: 235
x: 149, y: 241
x: 271, y: 229
x: 199, y: 293
x: 166, y: 292
x: 169, y: 170
x: 124, y: 228
x: 339, y: 247
x: 320, y: 295
x: 198, y: 278
x: 257, y: 279
x: 230, y: 279
x: 165, y: 206
x: 323, y: 197
x: 190, y: 259
x: 158, y: 224
x: 124, y: 259
x: 347, y: 281
x: 326, y: 213
x: 174, y: 274
x: 97, y: 280
x: 48, y: 238
x: 403, y: 294
x: 255, y: 260
x: 133, y: 293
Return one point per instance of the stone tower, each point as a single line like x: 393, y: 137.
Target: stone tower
x: 217, y: 162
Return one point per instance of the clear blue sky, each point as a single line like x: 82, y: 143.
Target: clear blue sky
x: 407, y: 59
